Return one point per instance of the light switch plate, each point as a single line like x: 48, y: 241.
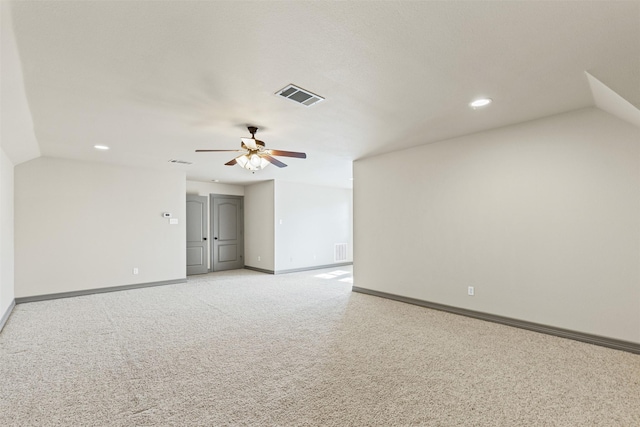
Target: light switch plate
x: 173, y: 221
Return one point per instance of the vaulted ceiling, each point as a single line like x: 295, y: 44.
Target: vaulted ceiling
x: 155, y: 81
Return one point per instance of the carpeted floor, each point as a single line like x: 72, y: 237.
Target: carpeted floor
x: 247, y: 349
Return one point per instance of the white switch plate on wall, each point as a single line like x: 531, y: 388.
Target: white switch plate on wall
x: 173, y: 221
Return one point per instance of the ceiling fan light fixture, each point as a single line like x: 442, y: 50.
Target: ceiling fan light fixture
x: 252, y: 162
x: 254, y: 159
x: 242, y: 161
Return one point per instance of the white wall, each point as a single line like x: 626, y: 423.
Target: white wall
x: 6, y: 234
x: 543, y: 218
x: 17, y: 144
x: 259, y: 232
x: 205, y: 188
x: 81, y: 226
x: 310, y: 220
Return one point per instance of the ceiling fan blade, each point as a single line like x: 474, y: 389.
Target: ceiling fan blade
x: 250, y: 143
x: 231, y: 162
x: 218, y: 151
x: 287, y: 154
x: 273, y: 161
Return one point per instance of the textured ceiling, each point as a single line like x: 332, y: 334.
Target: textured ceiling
x: 157, y: 80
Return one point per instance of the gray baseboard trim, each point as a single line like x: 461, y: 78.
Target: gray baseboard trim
x: 315, y: 267
x: 297, y: 270
x: 97, y: 291
x: 260, y: 270
x: 613, y: 343
x: 5, y: 316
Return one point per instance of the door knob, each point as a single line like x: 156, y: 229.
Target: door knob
x: 204, y: 238
x: 215, y: 238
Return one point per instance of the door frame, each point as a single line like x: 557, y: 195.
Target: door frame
x: 212, y: 196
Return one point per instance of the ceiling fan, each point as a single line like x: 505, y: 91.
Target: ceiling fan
x: 254, y: 154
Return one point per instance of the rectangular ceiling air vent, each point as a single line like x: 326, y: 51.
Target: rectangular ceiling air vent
x: 299, y: 95
x: 180, y: 162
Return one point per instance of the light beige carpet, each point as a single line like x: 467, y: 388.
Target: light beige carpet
x: 248, y: 349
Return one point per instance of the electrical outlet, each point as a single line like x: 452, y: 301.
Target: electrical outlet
x: 135, y: 270
x: 471, y: 291
x: 258, y: 257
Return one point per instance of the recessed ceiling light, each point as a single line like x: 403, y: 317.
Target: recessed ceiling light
x: 100, y: 147
x: 481, y: 102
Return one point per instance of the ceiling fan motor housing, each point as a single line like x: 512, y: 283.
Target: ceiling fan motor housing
x: 258, y: 142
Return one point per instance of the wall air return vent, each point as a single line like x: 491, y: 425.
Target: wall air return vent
x: 180, y: 162
x: 299, y: 95
x: 340, y: 252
